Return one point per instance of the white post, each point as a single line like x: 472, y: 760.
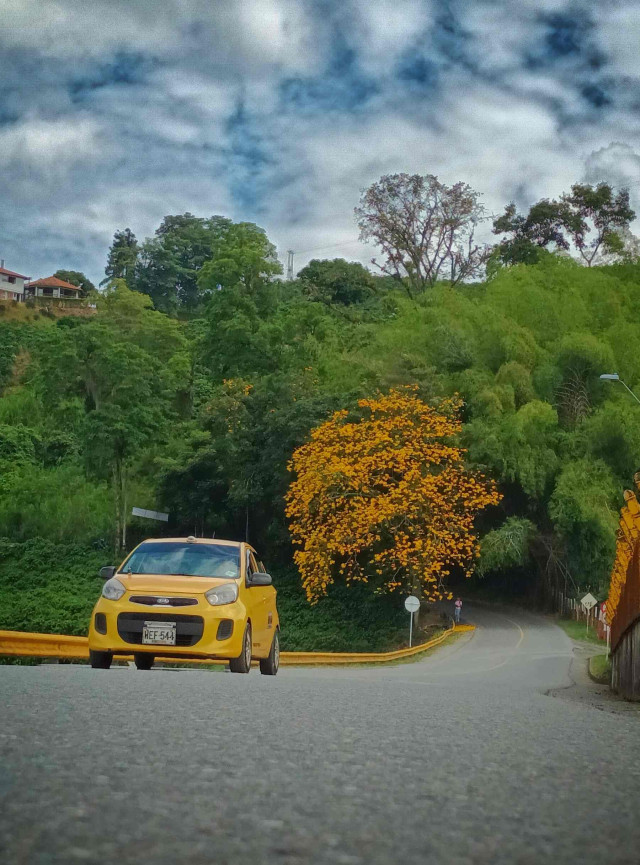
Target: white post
x: 410, y: 629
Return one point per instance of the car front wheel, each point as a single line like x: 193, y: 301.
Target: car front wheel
x: 243, y: 663
x: 269, y: 665
x: 143, y: 661
x: 100, y: 660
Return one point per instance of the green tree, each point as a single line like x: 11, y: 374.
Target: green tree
x: 337, y: 282
x: 121, y: 395
x: 122, y: 258
x: 76, y: 277
x: 243, y: 256
x: 169, y: 263
x: 592, y: 219
x: 529, y: 236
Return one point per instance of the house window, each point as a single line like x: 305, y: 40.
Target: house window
x: 12, y: 280
x: 47, y: 292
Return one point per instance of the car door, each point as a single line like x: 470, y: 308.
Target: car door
x: 258, y: 607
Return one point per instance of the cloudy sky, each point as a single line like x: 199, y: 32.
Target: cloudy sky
x: 114, y: 113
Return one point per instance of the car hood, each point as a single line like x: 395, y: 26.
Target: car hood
x: 162, y: 583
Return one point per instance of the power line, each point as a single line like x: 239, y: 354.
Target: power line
x: 291, y: 253
x: 330, y: 246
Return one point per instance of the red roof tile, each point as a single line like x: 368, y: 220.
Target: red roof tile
x: 11, y: 273
x: 52, y: 282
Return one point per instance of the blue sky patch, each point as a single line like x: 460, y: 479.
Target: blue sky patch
x: 417, y: 71
x: 124, y: 68
x: 283, y: 112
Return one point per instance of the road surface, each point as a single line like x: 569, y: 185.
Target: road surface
x: 460, y: 758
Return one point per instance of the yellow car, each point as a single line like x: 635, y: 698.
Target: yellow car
x: 187, y: 598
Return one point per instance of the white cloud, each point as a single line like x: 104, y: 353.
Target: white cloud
x: 50, y: 145
x: 79, y: 165
x: 383, y: 29
x: 619, y: 36
x: 618, y: 164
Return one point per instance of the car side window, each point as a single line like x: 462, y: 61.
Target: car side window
x: 255, y: 567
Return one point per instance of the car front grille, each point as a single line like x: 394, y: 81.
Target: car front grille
x: 152, y: 601
x: 188, y: 628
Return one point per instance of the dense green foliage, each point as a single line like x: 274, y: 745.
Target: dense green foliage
x: 196, y: 409
x: 47, y: 586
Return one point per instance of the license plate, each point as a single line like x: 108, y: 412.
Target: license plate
x: 159, y: 633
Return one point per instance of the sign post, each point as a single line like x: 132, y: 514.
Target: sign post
x: 411, y: 605
x: 588, y: 603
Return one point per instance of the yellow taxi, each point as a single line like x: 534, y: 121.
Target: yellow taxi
x: 180, y: 598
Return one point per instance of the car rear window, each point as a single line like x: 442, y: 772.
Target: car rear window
x: 183, y: 559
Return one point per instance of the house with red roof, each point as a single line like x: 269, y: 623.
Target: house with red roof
x: 51, y: 286
x: 11, y: 284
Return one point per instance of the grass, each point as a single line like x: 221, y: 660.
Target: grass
x: 600, y: 668
x: 20, y: 312
x: 578, y: 631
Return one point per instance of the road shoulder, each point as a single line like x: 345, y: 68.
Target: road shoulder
x: 586, y: 692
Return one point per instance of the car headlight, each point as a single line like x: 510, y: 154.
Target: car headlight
x: 225, y: 594
x: 113, y: 590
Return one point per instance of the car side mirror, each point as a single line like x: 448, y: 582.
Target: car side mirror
x: 260, y: 580
x: 107, y: 572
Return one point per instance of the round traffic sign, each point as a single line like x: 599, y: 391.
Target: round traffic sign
x: 412, y: 604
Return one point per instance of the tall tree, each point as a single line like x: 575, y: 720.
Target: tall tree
x: 596, y: 211
x: 242, y: 256
x: 528, y: 235
x: 425, y: 229
x: 591, y: 219
x: 169, y: 263
x: 122, y: 258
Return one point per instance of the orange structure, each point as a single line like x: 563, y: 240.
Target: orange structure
x: 623, y: 605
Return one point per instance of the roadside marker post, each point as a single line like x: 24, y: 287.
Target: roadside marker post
x: 411, y: 605
x: 588, y: 603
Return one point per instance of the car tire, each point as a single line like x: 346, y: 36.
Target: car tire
x: 143, y: 661
x: 242, y: 664
x: 269, y: 666
x: 100, y: 660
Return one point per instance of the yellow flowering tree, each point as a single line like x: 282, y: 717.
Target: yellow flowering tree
x: 384, y: 497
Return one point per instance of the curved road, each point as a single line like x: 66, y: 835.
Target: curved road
x: 459, y: 758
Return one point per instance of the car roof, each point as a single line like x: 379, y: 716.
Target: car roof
x: 194, y: 541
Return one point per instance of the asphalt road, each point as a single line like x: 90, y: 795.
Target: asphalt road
x: 461, y: 758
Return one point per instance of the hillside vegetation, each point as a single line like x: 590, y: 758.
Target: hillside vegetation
x: 197, y: 410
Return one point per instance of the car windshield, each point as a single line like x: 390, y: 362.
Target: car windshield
x: 174, y: 558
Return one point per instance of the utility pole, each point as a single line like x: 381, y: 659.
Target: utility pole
x: 290, y: 255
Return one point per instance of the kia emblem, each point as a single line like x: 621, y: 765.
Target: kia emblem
x: 162, y: 600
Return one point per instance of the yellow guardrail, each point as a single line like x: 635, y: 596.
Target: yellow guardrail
x: 21, y: 644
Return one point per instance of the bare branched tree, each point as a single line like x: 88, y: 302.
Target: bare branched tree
x: 424, y: 228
